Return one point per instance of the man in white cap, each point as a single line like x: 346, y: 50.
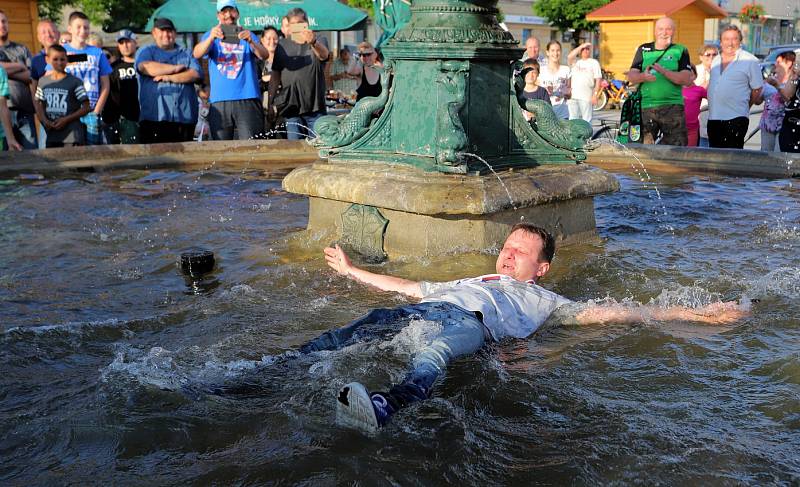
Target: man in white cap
x: 121, y: 113
x: 235, y: 95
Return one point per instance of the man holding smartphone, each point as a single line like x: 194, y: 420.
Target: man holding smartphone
x: 299, y: 69
x: 235, y: 95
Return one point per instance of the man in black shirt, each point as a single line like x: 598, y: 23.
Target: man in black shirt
x: 299, y: 69
x: 121, y: 113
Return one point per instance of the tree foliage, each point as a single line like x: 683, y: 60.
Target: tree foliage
x: 363, y: 5
x: 113, y: 15
x: 569, y: 14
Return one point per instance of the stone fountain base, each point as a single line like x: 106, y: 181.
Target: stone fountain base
x: 384, y: 210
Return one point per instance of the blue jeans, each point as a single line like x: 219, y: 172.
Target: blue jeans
x: 462, y: 334
x: 297, y: 127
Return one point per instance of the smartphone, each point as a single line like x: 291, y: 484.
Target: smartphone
x: 231, y: 33
x: 296, y: 32
x: 77, y: 58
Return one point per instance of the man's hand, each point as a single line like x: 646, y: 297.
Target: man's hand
x: 165, y: 78
x: 59, y: 123
x: 308, y: 36
x: 246, y: 35
x: 13, y: 144
x: 216, y: 32
x: 338, y: 260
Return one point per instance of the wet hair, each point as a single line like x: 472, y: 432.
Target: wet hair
x: 297, y: 12
x: 56, y: 48
x: 76, y: 15
x: 271, y: 28
x: 551, y: 43
x: 788, y: 55
x: 734, y: 28
x: 548, y: 242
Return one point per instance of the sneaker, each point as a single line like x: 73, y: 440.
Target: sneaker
x: 355, y: 408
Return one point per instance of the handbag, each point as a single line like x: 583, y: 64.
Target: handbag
x: 630, y: 120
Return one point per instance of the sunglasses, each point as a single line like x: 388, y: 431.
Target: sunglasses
x: 709, y: 54
x: 362, y: 54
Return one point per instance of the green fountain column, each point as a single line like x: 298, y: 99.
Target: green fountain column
x: 443, y: 159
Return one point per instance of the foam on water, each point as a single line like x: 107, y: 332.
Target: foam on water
x: 417, y: 335
x: 782, y: 282
x: 173, y: 370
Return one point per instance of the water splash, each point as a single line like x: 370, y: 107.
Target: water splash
x: 641, y: 172
x: 479, y: 158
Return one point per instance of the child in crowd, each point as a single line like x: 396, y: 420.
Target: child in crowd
x: 61, y: 101
x: 6, y: 131
x: 693, y: 96
x: 532, y: 91
x: 93, y: 70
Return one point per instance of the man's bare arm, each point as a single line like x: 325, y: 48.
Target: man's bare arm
x: 337, y: 260
x: 154, y: 68
x: 187, y: 76
x: 680, y: 78
x: 637, y: 77
x: 17, y: 71
x: 713, y: 314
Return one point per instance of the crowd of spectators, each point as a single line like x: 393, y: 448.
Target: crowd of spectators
x: 233, y: 84
x: 279, y: 83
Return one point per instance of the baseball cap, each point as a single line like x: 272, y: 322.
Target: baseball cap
x: 126, y: 34
x: 163, y: 23
x: 221, y: 4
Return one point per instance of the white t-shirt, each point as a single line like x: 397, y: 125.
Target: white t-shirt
x: 559, y: 82
x: 729, y: 90
x: 509, y: 307
x: 702, y: 74
x: 584, y: 74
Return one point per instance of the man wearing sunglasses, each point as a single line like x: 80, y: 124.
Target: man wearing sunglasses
x: 299, y: 70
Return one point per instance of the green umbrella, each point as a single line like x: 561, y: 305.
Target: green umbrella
x: 201, y: 15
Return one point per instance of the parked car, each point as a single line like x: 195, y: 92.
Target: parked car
x: 769, y: 60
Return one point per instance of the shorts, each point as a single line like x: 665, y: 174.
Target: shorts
x: 668, y: 121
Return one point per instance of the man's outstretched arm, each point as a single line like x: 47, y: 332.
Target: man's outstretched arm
x: 713, y: 314
x: 338, y: 261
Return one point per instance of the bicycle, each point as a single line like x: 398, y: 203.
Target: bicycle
x: 614, y: 92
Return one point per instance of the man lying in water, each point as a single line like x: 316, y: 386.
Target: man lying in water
x: 471, y: 311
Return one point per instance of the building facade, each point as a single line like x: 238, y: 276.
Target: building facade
x: 23, y: 16
x: 520, y: 20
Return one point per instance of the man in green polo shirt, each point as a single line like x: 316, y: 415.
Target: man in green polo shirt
x: 661, y: 69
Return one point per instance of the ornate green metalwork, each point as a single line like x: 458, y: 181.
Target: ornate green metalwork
x: 363, y: 228
x: 449, y: 97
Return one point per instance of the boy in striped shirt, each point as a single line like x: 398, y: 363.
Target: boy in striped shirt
x: 61, y: 101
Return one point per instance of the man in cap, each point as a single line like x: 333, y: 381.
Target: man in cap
x: 121, y: 113
x: 235, y: 95
x: 168, y: 101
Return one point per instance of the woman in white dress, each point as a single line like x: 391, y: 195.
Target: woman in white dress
x: 555, y: 79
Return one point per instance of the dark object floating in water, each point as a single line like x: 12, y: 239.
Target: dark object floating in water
x: 195, y: 263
